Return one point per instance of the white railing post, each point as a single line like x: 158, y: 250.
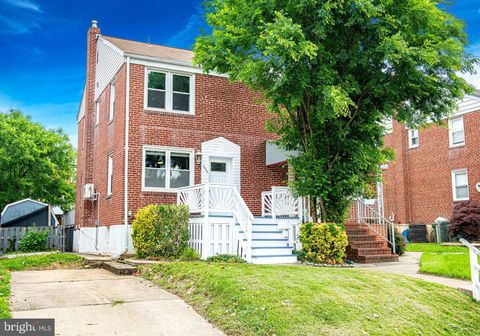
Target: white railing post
x: 206, y: 226
x: 474, y: 268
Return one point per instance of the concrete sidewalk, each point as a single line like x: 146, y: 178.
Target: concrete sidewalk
x: 97, y: 302
x: 409, y: 264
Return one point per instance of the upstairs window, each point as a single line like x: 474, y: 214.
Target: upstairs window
x: 460, y: 185
x: 413, y: 139
x: 109, y: 174
x: 169, y: 92
x: 165, y: 169
x: 456, y: 132
x: 112, y: 102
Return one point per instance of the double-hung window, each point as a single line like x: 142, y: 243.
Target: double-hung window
x: 112, y: 102
x: 167, y: 168
x: 109, y: 174
x: 169, y: 92
x: 413, y: 139
x: 460, y: 185
x: 456, y: 131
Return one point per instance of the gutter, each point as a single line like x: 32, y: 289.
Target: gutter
x: 127, y: 125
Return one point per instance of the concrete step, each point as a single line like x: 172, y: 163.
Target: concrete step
x: 274, y: 259
x: 119, y: 268
x: 265, y: 251
x: 280, y: 242
x: 92, y: 260
x: 258, y: 234
x: 377, y: 258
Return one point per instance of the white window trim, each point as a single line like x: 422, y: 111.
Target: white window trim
x: 169, y: 91
x: 454, y: 187
x: 410, y: 144
x: 450, y: 132
x: 167, y: 151
x: 388, y: 125
x: 97, y: 112
x: 112, y: 102
x: 109, y: 174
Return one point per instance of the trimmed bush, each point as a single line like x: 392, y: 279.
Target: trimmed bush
x: 161, y: 231
x: 189, y: 254
x: 323, y: 243
x: 34, y: 241
x: 465, y: 220
x: 226, y: 258
x: 400, y: 244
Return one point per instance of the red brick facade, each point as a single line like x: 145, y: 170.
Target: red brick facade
x: 418, y: 184
x: 222, y: 109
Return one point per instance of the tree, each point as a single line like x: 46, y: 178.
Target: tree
x: 332, y: 72
x: 34, y: 162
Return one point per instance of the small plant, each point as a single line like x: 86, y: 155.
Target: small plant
x: 400, y: 244
x: 226, y: 258
x: 161, y: 231
x: 323, y: 243
x: 189, y: 254
x: 34, y: 241
x: 11, y: 244
x: 465, y: 220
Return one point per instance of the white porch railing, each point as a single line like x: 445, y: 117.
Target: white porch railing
x: 365, y: 214
x: 279, y: 202
x: 209, y: 236
x: 474, y: 268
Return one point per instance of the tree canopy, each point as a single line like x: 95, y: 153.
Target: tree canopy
x: 35, y: 162
x: 332, y: 71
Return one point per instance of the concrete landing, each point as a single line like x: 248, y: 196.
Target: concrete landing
x: 98, y: 302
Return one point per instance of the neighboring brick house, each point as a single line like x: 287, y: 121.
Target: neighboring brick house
x: 149, y: 123
x: 434, y: 168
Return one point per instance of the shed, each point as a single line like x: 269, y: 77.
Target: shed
x: 27, y: 212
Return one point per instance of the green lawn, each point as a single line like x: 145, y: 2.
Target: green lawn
x: 447, y: 261
x: 244, y: 299
x: 47, y: 261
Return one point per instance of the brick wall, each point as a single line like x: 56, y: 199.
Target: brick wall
x: 418, y: 186
x: 222, y: 109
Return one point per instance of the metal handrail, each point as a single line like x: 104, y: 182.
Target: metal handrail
x: 474, y: 268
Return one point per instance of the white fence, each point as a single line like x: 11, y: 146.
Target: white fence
x: 213, y: 235
x: 474, y: 268
x: 10, y: 237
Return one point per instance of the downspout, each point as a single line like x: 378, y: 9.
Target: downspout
x: 127, y: 124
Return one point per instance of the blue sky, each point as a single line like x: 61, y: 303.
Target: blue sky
x: 42, y: 44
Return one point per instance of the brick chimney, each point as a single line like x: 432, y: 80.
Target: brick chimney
x: 90, y: 82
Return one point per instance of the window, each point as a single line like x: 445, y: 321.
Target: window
x: 169, y: 92
x: 218, y: 167
x: 456, y: 132
x: 165, y: 169
x: 112, y: 101
x: 388, y: 125
x: 413, y: 140
x: 460, y: 185
x: 97, y: 113
x: 109, y: 174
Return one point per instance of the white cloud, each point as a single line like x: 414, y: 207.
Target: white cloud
x: 24, y: 4
x: 186, y: 37
x: 473, y: 79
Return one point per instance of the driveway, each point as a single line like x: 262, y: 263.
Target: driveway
x: 97, y: 302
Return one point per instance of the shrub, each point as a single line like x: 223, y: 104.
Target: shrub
x: 400, y: 244
x: 226, y: 258
x: 465, y: 220
x: 34, y: 241
x: 161, y: 231
x: 323, y: 243
x: 189, y: 254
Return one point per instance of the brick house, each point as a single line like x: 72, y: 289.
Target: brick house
x: 434, y: 168
x: 149, y: 124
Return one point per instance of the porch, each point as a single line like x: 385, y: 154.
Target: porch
x: 222, y: 223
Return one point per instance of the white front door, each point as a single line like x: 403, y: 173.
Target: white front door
x: 220, y: 170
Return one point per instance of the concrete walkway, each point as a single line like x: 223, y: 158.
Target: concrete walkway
x: 409, y: 264
x: 97, y: 302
